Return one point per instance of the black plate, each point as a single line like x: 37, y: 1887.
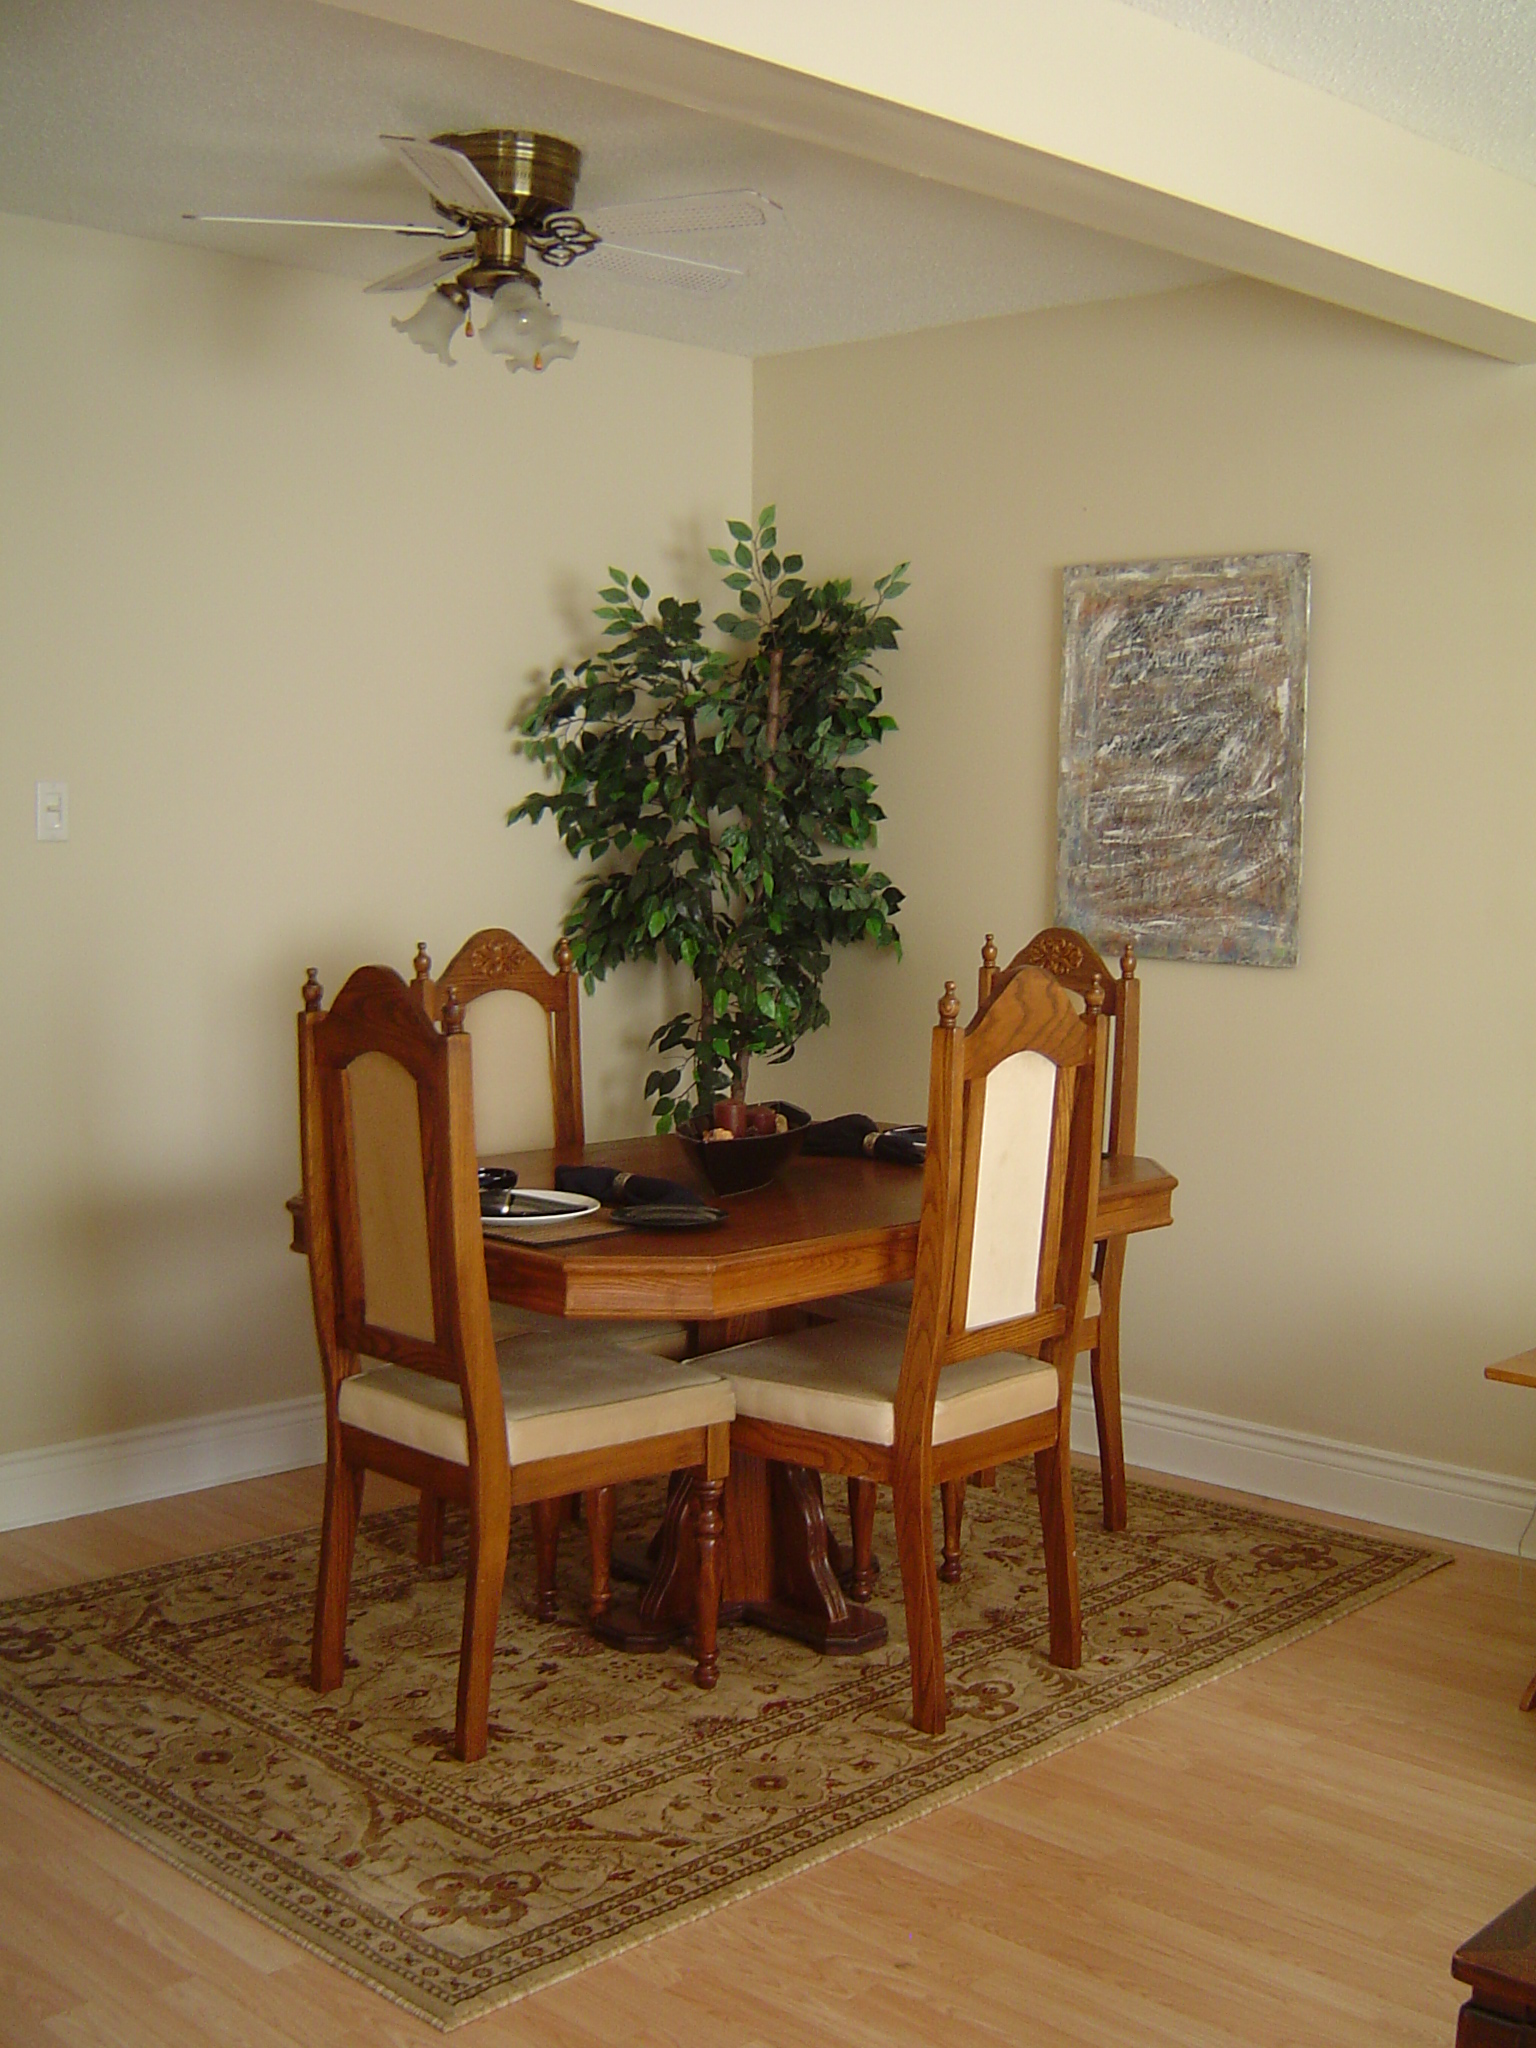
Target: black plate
x: 494, y: 1179
x: 668, y: 1215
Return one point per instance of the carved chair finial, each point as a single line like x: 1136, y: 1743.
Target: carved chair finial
x: 1093, y: 1002
x: 314, y: 994
x: 423, y: 961
x: 949, y: 1006
x: 989, y: 952
x: 453, y: 1016
x: 564, y: 961
x: 1128, y: 960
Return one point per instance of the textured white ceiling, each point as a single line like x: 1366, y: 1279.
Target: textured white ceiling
x: 123, y: 116
x: 1461, y: 72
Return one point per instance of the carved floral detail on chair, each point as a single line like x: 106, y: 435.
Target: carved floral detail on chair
x: 1063, y: 954
x: 490, y: 956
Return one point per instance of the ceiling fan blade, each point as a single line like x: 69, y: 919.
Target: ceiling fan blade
x: 450, y: 177
x: 668, y: 273
x: 373, y: 227
x: 425, y: 271
x: 693, y: 213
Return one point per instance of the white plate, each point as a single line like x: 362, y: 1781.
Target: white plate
x: 556, y: 1205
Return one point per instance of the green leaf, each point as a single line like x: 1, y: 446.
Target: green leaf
x: 641, y: 588
x: 719, y: 555
x: 793, y: 564
x: 743, y: 555
x: 766, y: 517
x: 738, y: 529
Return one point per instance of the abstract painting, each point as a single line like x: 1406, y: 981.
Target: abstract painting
x: 1183, y: 743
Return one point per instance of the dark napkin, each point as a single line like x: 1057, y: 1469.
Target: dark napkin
x: 624, y: 1190
x: 846, y: 1137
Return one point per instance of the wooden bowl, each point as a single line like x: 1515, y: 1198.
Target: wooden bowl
x: 734, y: 1166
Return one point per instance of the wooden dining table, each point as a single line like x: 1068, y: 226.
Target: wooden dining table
x: 823, y: 1227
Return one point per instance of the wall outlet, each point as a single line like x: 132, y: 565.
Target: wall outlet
x: 53, y: 810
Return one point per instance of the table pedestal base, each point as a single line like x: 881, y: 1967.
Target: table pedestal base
x: 781, y: 1568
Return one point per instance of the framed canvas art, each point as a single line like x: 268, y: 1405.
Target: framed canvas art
x: 1183, y: 743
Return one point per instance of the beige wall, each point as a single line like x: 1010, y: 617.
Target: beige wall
x: 271, y: 583
x: 1356, y: 1138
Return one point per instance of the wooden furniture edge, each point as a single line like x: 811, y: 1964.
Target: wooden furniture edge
x: 1519, y: 1371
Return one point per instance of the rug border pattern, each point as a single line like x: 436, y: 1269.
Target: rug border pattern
x: 292, y: 1904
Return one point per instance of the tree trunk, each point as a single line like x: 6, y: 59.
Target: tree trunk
x: 775, y: 677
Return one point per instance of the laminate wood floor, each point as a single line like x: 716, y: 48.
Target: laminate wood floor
x: 1288, y: 1855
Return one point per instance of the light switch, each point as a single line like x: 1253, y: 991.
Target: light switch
x: 53, y: 810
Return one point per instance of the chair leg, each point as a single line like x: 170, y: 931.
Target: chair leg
x: 1053, y: 1484
x: 489, y: 1527
x: 431, y: 1515
x: 598, y: 1502
x: 338, y: 1538
x: 912, y: 1501
x: 1104, y: 1364
x: 953, y: 1492
x: 547, y: 1515
x: 862, y: 1494
x: 708, y: 1524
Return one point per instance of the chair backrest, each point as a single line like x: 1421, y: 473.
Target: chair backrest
x: 525, y: 1025
x: 1010, y: 1184
x: 392, y: 1201
x: 1074, y: 962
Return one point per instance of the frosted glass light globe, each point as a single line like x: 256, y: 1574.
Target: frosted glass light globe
x: 524, y: 330
x: 433, y: 325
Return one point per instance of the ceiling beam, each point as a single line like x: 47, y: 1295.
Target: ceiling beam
x: 1086, y: 109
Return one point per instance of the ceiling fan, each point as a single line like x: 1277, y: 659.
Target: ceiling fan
x: 503, y: 195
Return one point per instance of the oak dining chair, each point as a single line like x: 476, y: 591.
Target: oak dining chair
x: 982, y: 1372
x: 1074, y: 962
x: 415, y: 1385
x: 524, y: 1024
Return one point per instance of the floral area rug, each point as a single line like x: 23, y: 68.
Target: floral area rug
x: 616, y: 1800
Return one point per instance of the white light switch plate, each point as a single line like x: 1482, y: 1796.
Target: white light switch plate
x: 53, y: 810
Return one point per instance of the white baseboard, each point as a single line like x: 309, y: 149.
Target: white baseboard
x: 150, y: 1464
x: 1452, y: 1502
x: 1449, y: 1502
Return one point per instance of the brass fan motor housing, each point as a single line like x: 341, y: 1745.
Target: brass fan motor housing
x: 533, y: 176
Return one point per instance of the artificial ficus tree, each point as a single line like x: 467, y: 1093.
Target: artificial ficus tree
x: 713, y: 785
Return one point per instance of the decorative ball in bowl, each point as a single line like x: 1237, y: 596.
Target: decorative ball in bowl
x: 733, y: 1156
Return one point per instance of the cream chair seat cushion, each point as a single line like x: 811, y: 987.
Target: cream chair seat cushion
x: 893, y: 1303
x: 840, y: 1379
x: 562, y: 1394
x: 660, y: 1340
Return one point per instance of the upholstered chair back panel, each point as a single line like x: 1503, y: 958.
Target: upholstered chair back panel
x: 1018, y: 1110
x: 513, y: 1073
x: 391, y: 1196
